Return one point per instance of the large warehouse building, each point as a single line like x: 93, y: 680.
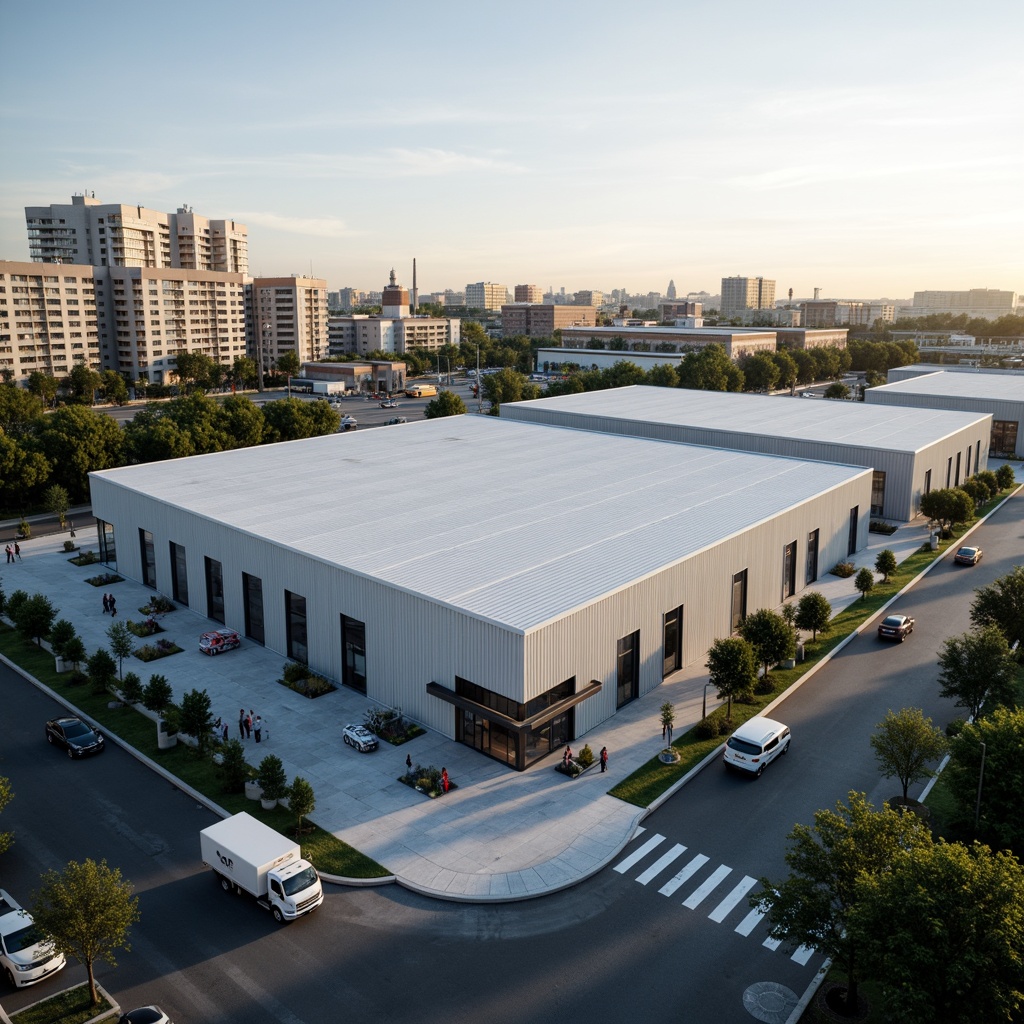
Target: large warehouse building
x: 521, y: 584
x: 909, y: 451
x: 1001, y: 395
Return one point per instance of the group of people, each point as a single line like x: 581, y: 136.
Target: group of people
x: 109, y: 604
x: 249, y: 725
x: 13, y: 552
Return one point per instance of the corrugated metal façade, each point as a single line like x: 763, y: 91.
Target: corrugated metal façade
x: 904, y: 444
x: 511, y: 555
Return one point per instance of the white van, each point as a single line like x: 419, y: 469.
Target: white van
x: 756, y: 744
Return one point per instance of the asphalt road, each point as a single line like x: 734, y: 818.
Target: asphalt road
x: 614, y: 948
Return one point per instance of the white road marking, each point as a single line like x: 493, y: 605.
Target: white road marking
x: 698, y: 896
x: 802, y: 955
x: 660, y: 864
x: 673, y: 883
x: 750, y: 922
x: 730, y: 901
x: 623, y: 866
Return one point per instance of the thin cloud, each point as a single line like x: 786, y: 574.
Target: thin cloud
x: 319, y: 227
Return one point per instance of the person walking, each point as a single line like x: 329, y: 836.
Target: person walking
x: 408, y: 764
x: 257, y: 727
x: 241, y: 723
x: 113, y: 606
x: 106, y: 603
x: 444, y: 780
x: 604, y: 759
x: 248, y: 724
x: 224, y: 727
x: 7, y: 551
x: 17, y: 551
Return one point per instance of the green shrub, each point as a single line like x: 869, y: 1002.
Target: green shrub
x: 706, y: 728
x: 131, y: 688
x: 69, y: 545
x: 102, y: 670
x: 234, y: 769
x: 294, y: 672
x: 955, y: 727
x: 61, y: 633
x: 157, y: 694
x: 585, y: 756
x: 78, y: 678
x: 271, y: 777
x: 843, y: 569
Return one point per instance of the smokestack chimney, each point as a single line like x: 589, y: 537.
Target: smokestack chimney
x: 817, y: 294
x: 415, y: 293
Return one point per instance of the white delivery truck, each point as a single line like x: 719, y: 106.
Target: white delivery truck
x: 251, y: 857
x: 26, y: 954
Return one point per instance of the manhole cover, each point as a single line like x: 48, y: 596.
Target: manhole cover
x: 769, y: 1001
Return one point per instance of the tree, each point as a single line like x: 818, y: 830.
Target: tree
x: 245, y: 372
x: 904, y: 743
x: 151, y: 436
x: 837, y: 390
x: 814, y: 612
x: 195, y: 370
x: 6, y: 796
x: 74, y: 651
x: 233, y: 767
x: 977, y: 668
x: 668, y: 718
x: 1004, y: 474
x: 22, y: 471
x: 290, y: 419
x: 447, y: 403
x: 101, y: 668
x: 34, y: 617
x: 19, y: 410
x: 57, y: 502
x: 815, y: 904
x: 864, y: 581
x: 241, y: 422
x: 301, y: 801
x: 122, y: 643
x: 62, y: 632
x: 885, y: 563
x: 710, y: 369
x: 788, y: 369
x: 196, y: 719
x: 271, y: 777
x: 88, y: 911
x: 663, y: 375
x: 760, y: 372
x: 42, y: 385
x: 941, y: 933
x: 1001, y: 604
x: 77, y: 441
x: 80, y: 384
x: 947, y: 505
x: 114, y: 388
x: 131, y: 688
x: 770, y: 635
x: 732, y: 665
x: 508, y: 385
x: 157, y: 694
x: 1000, y: 822
x: 288, y: 363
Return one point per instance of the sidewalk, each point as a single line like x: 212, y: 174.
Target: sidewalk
x: 501, y: 835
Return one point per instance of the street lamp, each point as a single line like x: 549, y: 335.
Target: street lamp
x: 260, y: 345
x: 977, y: 802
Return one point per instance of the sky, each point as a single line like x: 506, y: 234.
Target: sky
x: 869, y: 150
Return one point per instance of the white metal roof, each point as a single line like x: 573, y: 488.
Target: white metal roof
x: 512, y: 522
x: 1004, y: 387
x: 885, y: 427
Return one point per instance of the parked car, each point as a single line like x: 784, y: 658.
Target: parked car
x: 218, y: 640
x: 895, y: 627
x: 389, y: 403
x: 360, y: 737
x: 74, y: 736
x: 396, y: 419
x: 348, y: 423
x: 26, y: 954
x: 968, y: 556
x: 756, y: 743
x: 145, y: 1015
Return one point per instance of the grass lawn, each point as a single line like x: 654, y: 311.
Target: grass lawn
x: 72, y: 1006
x: 650, y: 780
x: 328, y: 853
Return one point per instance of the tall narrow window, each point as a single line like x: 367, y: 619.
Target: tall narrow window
x: 108, y: 550
x: 295, y: 620
x: 877, y: 491
x: 789, y: 570
x: 957, y: 477
x: 967, y: 468
x: 628, y: 665
x: 179, y: 574
x: 148, y: 558
x: 812, y: 557
x: 949, y: 470
x: 214, y: 589
x: 851, y: 544
x: 977, y: 456
x: 928, y: 481
x: 739, y: 599
x: 353, y: 652
x: 673, y: 642
x: 252, y: 599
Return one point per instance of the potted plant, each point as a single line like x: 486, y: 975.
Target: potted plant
x: 272, y: 780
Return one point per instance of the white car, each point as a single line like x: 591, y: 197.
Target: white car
x: 26, y: 954
x: 360, y: 737
x: 755, y: 744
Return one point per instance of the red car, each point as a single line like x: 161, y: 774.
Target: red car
x: 218, y: 640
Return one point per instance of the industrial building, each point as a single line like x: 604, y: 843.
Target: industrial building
x: 508, y: 596
x: 909, y: 451
x: 1001, y: 395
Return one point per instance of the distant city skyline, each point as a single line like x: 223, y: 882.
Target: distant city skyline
x: 540, y: 146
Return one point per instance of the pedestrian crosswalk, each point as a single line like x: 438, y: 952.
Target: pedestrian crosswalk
x: 707, y: 887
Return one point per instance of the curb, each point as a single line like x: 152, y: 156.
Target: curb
x: 149, y: 763
x: 115, y: 1007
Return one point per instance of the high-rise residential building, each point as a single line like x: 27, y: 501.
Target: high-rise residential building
x: 541, y: 321
x: 529, y: 293
x: 588, y: 298
x: 486, y: 295
x: 48, y: 320
x: 739, y: 293
x: 670, y: 292
x: 288, y: 314
x: 87, y: 231
x: 988, y: 303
